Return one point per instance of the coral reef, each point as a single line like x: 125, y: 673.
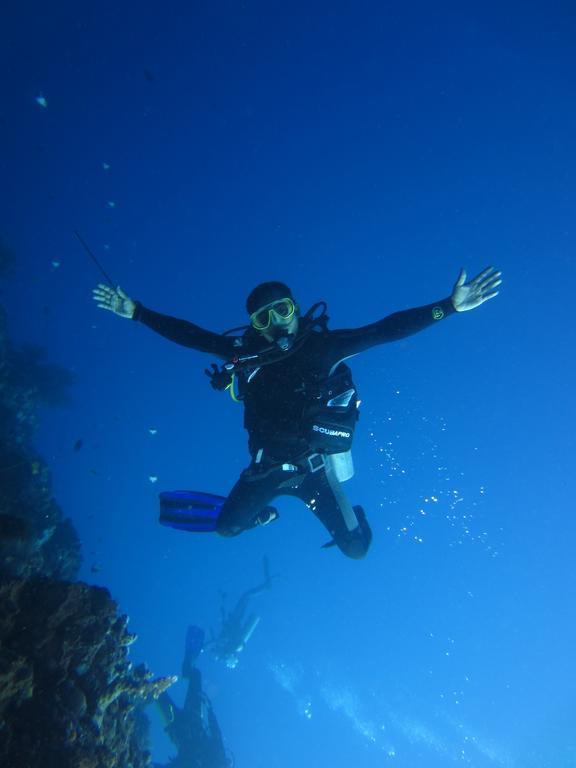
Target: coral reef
x: 67, y: 690
x: 69, y: 696
x: 48, y: 383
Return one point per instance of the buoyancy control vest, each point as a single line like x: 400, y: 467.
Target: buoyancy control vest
x: 328, y: 409
x: 321, y: 416
x: 331, y: 412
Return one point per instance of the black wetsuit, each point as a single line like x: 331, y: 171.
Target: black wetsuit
x: 274, y: 400
x: 193, y: 728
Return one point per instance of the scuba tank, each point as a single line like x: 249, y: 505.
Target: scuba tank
x: 341, y: 465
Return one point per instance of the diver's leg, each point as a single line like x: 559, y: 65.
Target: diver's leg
x: 246, y: 505
x: 323, y: 494
x: 192, y: 708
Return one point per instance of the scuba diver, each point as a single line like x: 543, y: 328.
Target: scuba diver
x: 193, y: 728
x: 237, y: 628
x: 300, y: 402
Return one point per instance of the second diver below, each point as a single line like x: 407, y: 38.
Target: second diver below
x: 237, y: 625
x: 193, y: 728
x: 300, y: 402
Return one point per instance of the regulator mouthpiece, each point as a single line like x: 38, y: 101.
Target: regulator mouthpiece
x: 285, y: 342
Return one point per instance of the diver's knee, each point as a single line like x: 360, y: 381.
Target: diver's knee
x: 357, y: 542
x: 224, y: 528
x: 355, y: 550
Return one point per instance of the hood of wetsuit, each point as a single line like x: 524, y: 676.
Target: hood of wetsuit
x: 266, y: 293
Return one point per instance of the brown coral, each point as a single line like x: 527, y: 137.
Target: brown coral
x: 67, y: 689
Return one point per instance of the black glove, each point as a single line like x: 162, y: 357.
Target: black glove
x: 220, y: 379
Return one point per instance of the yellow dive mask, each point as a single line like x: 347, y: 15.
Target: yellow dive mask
x: 279, y: 312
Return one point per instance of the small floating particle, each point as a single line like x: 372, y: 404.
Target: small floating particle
x: 41, y: 101
x: 55, y: 264
x: 106, y: 166
x: 111, y: 204
x: 153, y: 478
x: 153, y: 430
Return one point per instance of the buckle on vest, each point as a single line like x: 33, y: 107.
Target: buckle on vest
x: 315, y: 462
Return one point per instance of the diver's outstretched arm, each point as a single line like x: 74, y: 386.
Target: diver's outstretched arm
x: 345, y: 343
x: 180, y: 331
x: 266, y: 584
x: 114, y: 300
x: 466, y: 296
x: 244, y: 599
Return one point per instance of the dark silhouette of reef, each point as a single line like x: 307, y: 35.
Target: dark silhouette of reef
x: 35, y: 538
x: 69, y: 696
x: 49, y: 383
x: 67, y: 690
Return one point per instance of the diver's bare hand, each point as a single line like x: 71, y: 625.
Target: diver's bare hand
x: 470, y: 295
x: 114, y: 300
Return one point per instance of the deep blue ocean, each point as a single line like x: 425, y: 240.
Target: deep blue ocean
x: 362, y: 152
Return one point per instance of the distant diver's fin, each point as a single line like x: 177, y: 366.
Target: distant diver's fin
x: 190, y: 510
x: 267, y: 575
x: 266, y: 569
x: 195, y: 637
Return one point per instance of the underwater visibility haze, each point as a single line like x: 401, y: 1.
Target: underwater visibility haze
x: 361, y: 154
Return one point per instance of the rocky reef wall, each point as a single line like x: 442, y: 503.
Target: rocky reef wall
x: 69, y: 696
x: 68, y: 692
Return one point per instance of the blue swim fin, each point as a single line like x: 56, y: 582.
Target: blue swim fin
x: 190, y: 510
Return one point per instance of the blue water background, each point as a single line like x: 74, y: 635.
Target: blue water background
x: 362, y: 152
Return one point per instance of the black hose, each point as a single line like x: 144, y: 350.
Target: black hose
x: 95, y: 260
